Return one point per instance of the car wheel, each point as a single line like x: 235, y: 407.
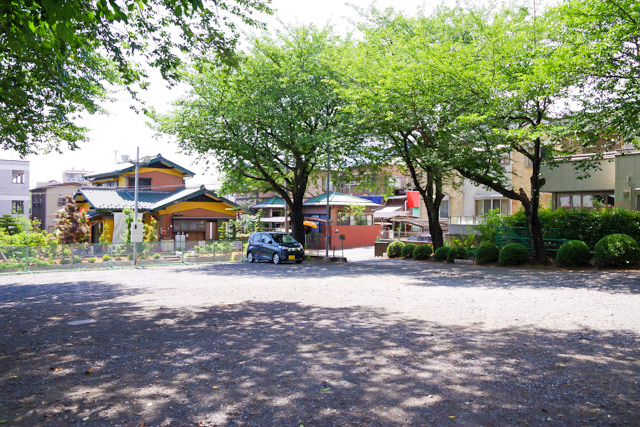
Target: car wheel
x: 276, y: 259
x: 298, y: 261
x: 250, y: 257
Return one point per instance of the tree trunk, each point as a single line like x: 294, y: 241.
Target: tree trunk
x: 531, y: 210
x: 297, y: 219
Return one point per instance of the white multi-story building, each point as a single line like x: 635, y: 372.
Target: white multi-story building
x: 14, y: 187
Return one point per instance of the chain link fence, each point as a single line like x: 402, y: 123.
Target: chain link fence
x: 26, y: 259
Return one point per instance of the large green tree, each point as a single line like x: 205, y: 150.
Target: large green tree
x: 58, y: 57
x: 272, y: 118
x: 600, y: 42
x: 395, y: 90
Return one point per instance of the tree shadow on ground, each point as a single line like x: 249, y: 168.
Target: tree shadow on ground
x: 286, y: 363
x: 431, y: 273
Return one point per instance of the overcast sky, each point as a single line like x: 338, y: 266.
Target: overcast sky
x: 122, y: 130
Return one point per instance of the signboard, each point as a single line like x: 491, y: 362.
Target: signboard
x: 237, y: 245
x: 137, y: 232
x: 201, y: 243
x: 163, y: 231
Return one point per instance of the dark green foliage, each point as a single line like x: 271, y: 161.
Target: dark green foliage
x: 130, y: 257
x: 588, y: 225
x: 9, y: 224
x: 157, y: 256
x: 487, y: 253
x: 441, y: 253
x: 77, y: 259
x: 422, y: 252
x: 407, y: 250
x: 513, y: 254
x: 457, y: 252
x: 394, y: 249
x: 572, y: 253
x: 616, y: 250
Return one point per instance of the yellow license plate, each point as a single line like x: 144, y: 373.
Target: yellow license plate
x: 292, y: 257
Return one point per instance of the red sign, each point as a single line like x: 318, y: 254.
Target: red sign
x: 163, y: 231
x: 413, y: 199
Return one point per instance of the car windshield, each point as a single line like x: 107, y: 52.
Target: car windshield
x: 283, y: 238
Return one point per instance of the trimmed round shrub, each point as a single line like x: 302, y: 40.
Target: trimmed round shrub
x: 394, y: 249
x: 441, y: 253
x: 487, y: 253
x: 157, y: 256
x: 513, y: 254
x: 616, y: 250
x: 422, y: 252
x: 106, y: 258
x: 77, y: 259
x: 65, y: 261
x: 91, y: 260
x: 130, y: 257
x: 407, y: 250
x: 572, y: 253
x: 457, y: 252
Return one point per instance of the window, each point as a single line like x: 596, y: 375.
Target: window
x: 142, y: 182
x: 17, y: 206
x: 324, y: 185
x: 484, y: 206
x: 36, y: 201
x: 71, y: 177
x: 62, y: 201
x: 107, y: 184
x: 444, y: 209
x: 505, y: 158
x: 569, y: 201
x: 18, y: 177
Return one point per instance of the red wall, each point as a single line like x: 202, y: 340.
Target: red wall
x: 355, y: 236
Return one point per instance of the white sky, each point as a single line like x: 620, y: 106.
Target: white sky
x: 122, y: 130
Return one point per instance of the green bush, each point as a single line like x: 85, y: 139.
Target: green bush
x: 441, y: 253
x: 106, y: 258
x: 407, y: 250
x: 66, y: 252
x: 77, y: 259
x: 65, y: 261
x: 91, y: 260
x: 422, y: 252
x: 130, y: 257
x: 117, y: 258
x: 394, y: 249
x: 487, y: 253
x: 572, y: 253
x: 616, y: 250
x: 457, y: 252
x: 157, y: 256
x: 513, y: 254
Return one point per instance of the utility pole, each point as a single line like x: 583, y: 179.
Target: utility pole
x: 135, y: 201
x: 326, y: 255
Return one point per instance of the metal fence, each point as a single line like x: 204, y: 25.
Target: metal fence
x: 25, y: 259
x: 315, y: 245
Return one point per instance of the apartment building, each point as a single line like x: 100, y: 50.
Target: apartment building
x: 14, y: 187
x: 48, y: 198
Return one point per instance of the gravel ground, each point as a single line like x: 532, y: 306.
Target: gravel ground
x: 376, y: 343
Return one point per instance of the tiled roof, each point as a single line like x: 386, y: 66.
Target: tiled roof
x: 130, y: 167
x: 273, y: 202
x: 339, y: 199
x: 118, y: 199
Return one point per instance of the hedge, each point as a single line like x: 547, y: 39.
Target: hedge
x: 407, y: 250
x: 513, y: 254
x: 487, y: 253
x: 441, y: 253
x: 573, y: 253
x: 588, y: 225
x: 457, y: 252
x: 616, y: 250
x: 422, y: 252
x: 394, y: 249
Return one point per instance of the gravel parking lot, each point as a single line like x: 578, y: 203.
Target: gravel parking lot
x: 373, y: 342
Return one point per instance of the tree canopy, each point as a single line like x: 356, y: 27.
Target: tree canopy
x: 58, y: 58
x: 272, y: 118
